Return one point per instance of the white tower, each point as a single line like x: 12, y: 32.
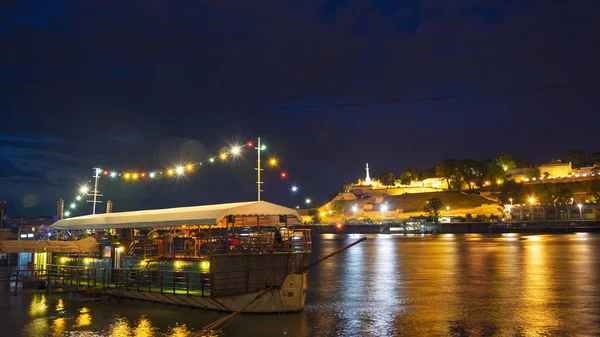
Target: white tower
x: 368, y: 178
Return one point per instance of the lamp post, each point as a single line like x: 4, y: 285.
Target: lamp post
x: 580, y: 211
x: 531, y: 201
x: 510, y: 199
x: 384, y: 209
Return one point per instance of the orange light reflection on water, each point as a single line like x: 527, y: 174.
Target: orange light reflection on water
x: 84, y: 318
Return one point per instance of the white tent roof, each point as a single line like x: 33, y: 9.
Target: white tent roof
x: 194, y: 215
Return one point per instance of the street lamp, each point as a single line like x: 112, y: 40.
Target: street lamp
x: 580, y: 211
x: 510, y: 199
x: 354, y: 209
x: 384, y: 208
x: 531, y: 201
x: 447, y: 208
x: 308, y: 201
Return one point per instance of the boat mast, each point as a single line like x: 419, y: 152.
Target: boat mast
x: 258, y: 169
x: 95, y: 192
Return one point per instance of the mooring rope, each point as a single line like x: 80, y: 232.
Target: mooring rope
x: 223, y: 321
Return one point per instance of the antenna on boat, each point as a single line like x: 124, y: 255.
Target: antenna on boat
x: 95, y: 191
x: 258, y: 169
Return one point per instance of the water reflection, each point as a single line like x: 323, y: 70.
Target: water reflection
x: 60, y: 305
x: 84, y: 318
x: 144, y: 328
x: 38, y: 305
x: 430, y: 285
x: 58, y: 327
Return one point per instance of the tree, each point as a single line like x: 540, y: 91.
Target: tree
x: 386, y: 178
x: 576, y: 158
x: 449, y: 170
x: 316, y: 216
x: 471, y: 172
x: 431, y: 173
x: 505, y: 162
x: 563, y: 195
x: 497, y: 167
x: 595, y: 191
x: 551, y: 191
x: 405, y: 179
x: 433, y: 208
x: 511, y: 190
x: 533, y: 172
x: 594, y: 158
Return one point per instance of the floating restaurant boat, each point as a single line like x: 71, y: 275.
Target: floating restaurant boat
x: 218, y: 257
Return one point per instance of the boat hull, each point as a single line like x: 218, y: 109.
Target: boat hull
x: 290, y: 297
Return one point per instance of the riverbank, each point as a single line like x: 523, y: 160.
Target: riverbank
x: 546, y: 227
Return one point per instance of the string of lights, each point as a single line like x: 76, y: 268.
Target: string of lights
x: 175, y: 171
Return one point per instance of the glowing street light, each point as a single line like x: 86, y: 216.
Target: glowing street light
x: 308, y: 201
x: 73, y: 205
x: 212, y: 160
x: 180, y: 169
x: 580, y: 211
x: 189, y: 167
x: 384, y: 208
x: 78, y: 197
x: 84, y: 189
x: 152, y: 174
x: 273, y: 162
x: 236, y: 150
x: 511, y: 200
x: 447, y: 208
x: 354, y: 209
x: 67, y: 213
x: 531, y: 200
x: 294, y: 188
x: 223, y: 156
x: 113, y: 174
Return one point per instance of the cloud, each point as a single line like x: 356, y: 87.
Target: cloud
x: 10, y: 172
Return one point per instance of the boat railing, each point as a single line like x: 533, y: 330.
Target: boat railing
x: 176, y: 282
x: 292, y: 241
x: 52, y: 278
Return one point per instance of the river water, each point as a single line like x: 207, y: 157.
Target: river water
x: 431, y: 285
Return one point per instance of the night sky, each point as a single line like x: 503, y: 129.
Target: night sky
x: 146, y: 84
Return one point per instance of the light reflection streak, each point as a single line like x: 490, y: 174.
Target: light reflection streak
x: 386, y: 288
x: 537, y: 289
x: 354, y: 278
x: 120, y: 328
x: 84, y: 318
x: 38, y: 305
x: 58, y: 327
x: 181, y: 330
x: 60, y: 306
x: 144, y: 328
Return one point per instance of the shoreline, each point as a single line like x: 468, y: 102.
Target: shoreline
x: 534, y: 227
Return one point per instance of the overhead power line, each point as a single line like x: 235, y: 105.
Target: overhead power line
x: 442, y: 97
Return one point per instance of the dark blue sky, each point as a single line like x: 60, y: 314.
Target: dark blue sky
x: 138, y: 84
